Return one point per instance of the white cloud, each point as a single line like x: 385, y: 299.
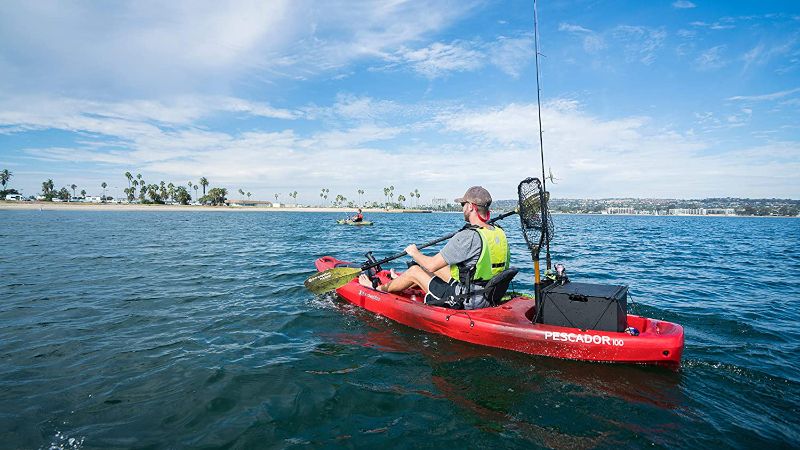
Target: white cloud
x: 711, y: 59
x: 627, y: 156
x: 573, y: 28
x: 752, y: 55
x: 640, y: 43
x: 592, y: 156
x: 144, y: 48
x: 344, y: 139
x: 683, y: 4
x: 766, y: 97
x: 511, y: 55
x: 439, y: 59
x: 592, y: 42
x: 726, y: 23
x: 125, y: 119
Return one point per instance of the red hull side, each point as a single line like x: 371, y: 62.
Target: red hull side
x: 509, y: 326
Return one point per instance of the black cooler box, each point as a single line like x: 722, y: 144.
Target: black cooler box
x: 586, y: 306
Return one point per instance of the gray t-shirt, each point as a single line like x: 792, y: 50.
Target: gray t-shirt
x: 465, y: 247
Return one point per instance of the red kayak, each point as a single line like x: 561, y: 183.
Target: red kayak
x: 509, y: 326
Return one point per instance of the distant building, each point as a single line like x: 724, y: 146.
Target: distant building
x: 687, y: 212
x: 14, y: 197
x: 721, y: 212
x: 619, y: 210
x: 250, y: 203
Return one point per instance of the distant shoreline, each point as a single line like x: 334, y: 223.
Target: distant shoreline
x: 74, y: 206
x: 68, y: 206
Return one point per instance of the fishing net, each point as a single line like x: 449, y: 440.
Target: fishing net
x: 537, y: 228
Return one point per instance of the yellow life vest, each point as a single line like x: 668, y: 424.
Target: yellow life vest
x: 495, y: 255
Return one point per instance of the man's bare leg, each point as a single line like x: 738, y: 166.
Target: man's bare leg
x: 414, y: 276
x: 444, y: 274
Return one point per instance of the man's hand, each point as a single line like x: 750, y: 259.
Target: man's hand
x: 412, y: 251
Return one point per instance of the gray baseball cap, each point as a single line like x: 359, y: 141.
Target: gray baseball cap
x: 477, y: 195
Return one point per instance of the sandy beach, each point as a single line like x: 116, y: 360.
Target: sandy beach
x: 56, y: 206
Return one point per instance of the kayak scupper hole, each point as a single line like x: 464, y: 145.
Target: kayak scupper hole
x: 665, y: 353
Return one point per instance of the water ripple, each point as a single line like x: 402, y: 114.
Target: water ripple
x: 165, y: 330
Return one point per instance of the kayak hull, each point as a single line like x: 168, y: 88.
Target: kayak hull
x: 509, y: 326
x: 364, y: 223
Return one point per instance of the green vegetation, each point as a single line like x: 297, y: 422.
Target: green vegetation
x: 5, y: 177
x: 216, y: 196
x: 182, y: 195
x: 204, y: 183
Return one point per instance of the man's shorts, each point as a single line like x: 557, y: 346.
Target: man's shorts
x: 439, y: 292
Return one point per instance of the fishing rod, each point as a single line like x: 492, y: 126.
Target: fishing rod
x: 541, y: 140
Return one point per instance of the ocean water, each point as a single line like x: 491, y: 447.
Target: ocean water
x: 193, y: 329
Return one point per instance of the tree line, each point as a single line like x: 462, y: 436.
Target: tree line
x: 139, y: 190
x: 388, y: 193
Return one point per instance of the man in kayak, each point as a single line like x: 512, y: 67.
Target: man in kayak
x: 477, y: 253
x: 358, y: 217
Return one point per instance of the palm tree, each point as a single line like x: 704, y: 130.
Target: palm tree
x: 248, y: 195
x: 391, y: 193
x: 152, y: 191
x: 416, y: 194
x: 73, y: 186
x: 5, y: 175
x: 83, y: 193
x: 276, y: 197
x: 171, y: 191
x: 142, y: 187
x: 324, y: 195
x: 129, y: 177
x: 204, y: 183
x: 103, y: 185
x: 47, y: 187
x: 195, y: 191
x: 386, y: 195
x: 360, y: 193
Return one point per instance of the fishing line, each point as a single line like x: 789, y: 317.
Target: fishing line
x: 541, y: 140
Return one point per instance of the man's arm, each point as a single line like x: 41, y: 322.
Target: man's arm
x: 429, y: 263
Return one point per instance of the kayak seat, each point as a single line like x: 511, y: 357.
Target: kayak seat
x: 342, y: 264
x: 496, y: 288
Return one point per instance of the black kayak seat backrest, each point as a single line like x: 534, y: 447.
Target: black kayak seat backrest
x: 497, y: 287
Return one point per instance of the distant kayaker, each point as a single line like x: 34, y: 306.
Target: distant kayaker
x: 479, y: 249
x: 359, y: 217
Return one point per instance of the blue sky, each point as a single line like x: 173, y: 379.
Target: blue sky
x: 678, y: 99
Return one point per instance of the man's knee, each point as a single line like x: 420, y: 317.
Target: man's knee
x: 418, y: 274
